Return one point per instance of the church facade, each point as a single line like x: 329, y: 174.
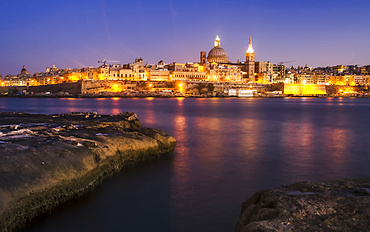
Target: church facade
x: 239, y: 71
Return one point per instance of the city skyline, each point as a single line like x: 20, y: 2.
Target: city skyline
x: 76, y: 35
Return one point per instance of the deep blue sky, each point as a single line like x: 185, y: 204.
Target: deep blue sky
x: 77, y: 33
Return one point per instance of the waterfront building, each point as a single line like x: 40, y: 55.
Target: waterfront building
x: 359, y: 80
x: 224, y: 73
x: 158, y: 72
x: 186, y: 72
x: 22, y: 79
x: 139, y: 70
x: 305, y: 79
x: 264, y: 71
x: 132, y: 71
x: 11, y: 80
x: 158, y: 75
x: 323, y: 79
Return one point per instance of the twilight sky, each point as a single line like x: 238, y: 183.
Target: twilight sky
x: 78, y: 33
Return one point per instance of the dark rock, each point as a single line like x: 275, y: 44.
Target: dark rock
x: 47, y: 160
x: 342, y: 205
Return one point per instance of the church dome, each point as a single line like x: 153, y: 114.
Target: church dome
x: 24, y: 70
x: 217, y: 54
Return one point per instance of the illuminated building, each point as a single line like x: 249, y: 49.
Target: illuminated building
x: 139, y: 70
x: 220, y: 69
x: 340, y: 68
x: 186, y: 72
x: 158, y: 72
x: 10, y: 80
x: 133, y: 71
x: 264, y: 71
x: 22, y: 79
x: 217, y: 54
x: 53, y: 69
x: 158, y: 75
x: 249, y: 62
x: 224, y: 73
x: 359, y: 80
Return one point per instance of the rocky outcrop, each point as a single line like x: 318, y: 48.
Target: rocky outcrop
x: 47, y: 160
x: 309, y: 206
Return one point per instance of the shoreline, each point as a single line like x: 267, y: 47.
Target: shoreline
x: 156, y: 96
x: 74, y: 168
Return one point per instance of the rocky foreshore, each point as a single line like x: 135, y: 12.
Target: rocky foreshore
x: 47, y: 160
x: 342, y: 205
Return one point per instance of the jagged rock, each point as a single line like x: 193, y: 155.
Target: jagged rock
x: 342, y: 205
x: 46, y: 160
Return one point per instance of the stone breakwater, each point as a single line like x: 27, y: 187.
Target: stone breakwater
x: 342, y: 205
x: 47, y: 160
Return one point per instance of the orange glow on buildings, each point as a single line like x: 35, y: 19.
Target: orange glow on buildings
x: 304, y: 89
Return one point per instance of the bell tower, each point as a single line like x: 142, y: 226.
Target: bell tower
x: 203, y: 57
x: 249, y: 62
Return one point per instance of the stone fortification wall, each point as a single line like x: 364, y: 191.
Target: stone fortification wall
x: 71, y: 88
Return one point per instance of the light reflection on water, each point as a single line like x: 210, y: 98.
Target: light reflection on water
x: 227, y: 150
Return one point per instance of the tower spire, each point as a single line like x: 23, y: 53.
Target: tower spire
x: 217, y: 42
x: 250, y: 51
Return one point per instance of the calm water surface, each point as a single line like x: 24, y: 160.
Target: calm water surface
x: 227, y: 150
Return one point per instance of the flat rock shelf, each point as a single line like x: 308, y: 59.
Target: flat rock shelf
x: 342, y: 205
x: 47, y: 160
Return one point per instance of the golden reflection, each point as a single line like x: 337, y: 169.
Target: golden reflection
x: 180, y: 127
x: 205, y: 123
x: 251, y: 129
x: 150, y: 117
x: 336, y: 142
x: 72, y: 109
x: 115, y: 103
x: 249, y: 132
x: 212, y: 136
x: 183, y: 158
x: 115, y: 111
x: 297, y: 139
